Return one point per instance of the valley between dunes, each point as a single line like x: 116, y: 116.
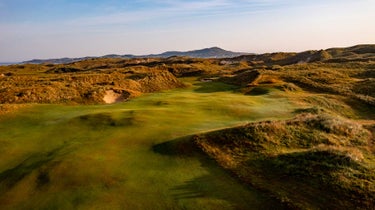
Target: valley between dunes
x: 271, y: 131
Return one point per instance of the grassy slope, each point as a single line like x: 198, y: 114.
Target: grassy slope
x: 311, y: 162
x: 63, y: 157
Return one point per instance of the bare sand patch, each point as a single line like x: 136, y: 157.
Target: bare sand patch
x: 111, y: 97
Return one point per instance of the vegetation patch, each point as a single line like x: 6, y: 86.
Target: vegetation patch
x: 83, y: 84
x: 256, y: 91
x: 243, y: 78
x: 325, y: 155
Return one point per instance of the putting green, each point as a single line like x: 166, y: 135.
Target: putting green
x: 102, y: 157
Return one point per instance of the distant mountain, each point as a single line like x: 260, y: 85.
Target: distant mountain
x: 7, y: 63
x: 56, y: 60
x: 213, y: 52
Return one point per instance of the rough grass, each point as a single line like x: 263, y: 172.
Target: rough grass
x: 328, y: 157
x: 85, y: 82
x: 339, y: 79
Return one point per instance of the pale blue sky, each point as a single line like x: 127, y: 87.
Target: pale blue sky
x: 66, y: 28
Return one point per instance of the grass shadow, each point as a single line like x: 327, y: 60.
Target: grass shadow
x: 107, y: 120
x: 217, y: 183
x: 183, y: 146
x: 212, y: 87
x: 11, y: 177
x: 315, y: 172
x: 308, y: 163
x: 258, y: 91
x: 361, y: 109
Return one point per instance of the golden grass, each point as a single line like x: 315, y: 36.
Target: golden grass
x: 82, y: 86
x: 313, y: 150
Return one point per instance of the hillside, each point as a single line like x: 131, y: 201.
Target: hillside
x: 82, y: 82
x: 351, y: 54
x: 314, y: 161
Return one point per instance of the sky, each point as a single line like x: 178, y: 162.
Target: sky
x: 31, y: 29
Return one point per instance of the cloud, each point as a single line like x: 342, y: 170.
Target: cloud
x: 163, y: 9
x: 198, y: 5
x: 156, y: 10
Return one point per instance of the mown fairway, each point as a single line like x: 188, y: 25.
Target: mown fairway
x: 102, y: 156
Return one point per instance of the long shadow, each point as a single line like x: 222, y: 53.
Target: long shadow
x: 105, y: 120
x: 212, y: 87
x: 11, y: 177
x: 361, y: 109
x: 217, y: 184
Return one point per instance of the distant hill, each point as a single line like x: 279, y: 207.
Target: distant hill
x: 356, y: 53
x: 213, y: 52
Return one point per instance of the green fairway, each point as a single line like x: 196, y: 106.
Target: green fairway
x: 102, y: 157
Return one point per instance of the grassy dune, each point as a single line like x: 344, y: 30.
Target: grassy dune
x: 101, y: 157
x: 314, y: 161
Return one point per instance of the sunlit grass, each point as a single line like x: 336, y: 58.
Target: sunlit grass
x: 101, y: 156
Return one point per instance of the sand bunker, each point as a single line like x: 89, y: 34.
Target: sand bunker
x: 111, y: 97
